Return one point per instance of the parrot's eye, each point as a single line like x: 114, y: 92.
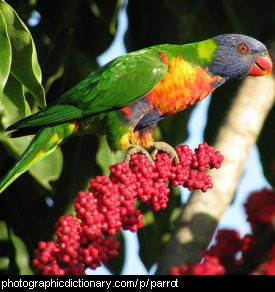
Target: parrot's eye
x: 243, y: 49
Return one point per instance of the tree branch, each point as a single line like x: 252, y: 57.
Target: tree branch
x: 235, y: 139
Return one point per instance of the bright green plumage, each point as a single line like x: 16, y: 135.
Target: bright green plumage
x: 126, y: 98
x: 117, y: 84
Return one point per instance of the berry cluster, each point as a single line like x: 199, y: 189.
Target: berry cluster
x: 232, y: 254
x: 260, y: 209
x: 209, y: 266
x: 228, y: 244
x: 108, y: 206
x: 73, y: 251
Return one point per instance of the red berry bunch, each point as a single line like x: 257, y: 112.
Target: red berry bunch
x: 260, y: 209
x: 209, y: 266
x: 73, y: 251
x: 109, y: 205
x: 228, y: 244
x: 232, y: 254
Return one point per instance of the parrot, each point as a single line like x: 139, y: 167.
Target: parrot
x: 126, y: 98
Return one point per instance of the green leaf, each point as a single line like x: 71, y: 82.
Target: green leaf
x: 5, y: 54
x: 113, y: 23
x: 149, y: 240
x: 21, y: 255
x: 44, y: 171
x: 167, y: 127
x: 8, y: 263
x: 15, y: 92
x: 14, y: 254
x: 4, y: 256
x: 105, y: 157
x: 48, y: 169
x: 79, y: 166
x: 24, y: 66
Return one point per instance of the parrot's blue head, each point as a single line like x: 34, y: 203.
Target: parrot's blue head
x: 239, y: 55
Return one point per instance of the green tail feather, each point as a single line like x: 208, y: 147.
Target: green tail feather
x: 44, y: 143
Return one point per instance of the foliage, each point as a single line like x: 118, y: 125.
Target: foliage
x: 66, y: 40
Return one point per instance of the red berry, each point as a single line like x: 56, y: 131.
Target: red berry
x: 109, y: 206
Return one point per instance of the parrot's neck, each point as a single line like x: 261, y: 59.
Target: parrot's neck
x: 198, y: 54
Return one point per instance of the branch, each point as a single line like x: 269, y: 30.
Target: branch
x: 235, y: 139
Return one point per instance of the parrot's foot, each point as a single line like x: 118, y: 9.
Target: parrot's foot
x: 133, y: 149
x: 162, y: 146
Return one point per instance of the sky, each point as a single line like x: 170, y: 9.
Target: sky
x: 252, y: 178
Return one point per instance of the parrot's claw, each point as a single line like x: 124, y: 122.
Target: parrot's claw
x: 162, y: 146
x: 133, y: 149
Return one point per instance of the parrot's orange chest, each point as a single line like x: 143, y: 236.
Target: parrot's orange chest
x: 183, y: 85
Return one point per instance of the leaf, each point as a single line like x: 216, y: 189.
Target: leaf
x: 5, y: 54
x: 14, y: 254
x: 24, y: 66
x: 4, y: 256
x: 21, y: 255
x: 79, y: 166
x: 105, y: 157
x: 172, y: 135
x: 48, y: 169
x: 61, y: 40
x: 8, y: 264
x: 266, y: 144
x: 149, y: 239
x: 45, y: 170
x: 113, y: 23
x: 9, y: 112
x: 15, y: 92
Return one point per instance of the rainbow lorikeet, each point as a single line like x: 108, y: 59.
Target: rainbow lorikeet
x: 126, y: 98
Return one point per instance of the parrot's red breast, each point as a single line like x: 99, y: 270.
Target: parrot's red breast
x: 183, y: 85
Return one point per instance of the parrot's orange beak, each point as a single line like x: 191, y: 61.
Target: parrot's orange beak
x: 263, y: 66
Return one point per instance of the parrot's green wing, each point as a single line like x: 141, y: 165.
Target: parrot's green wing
x: 117, y: 84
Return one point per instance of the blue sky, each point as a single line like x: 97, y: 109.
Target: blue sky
x: 251, y: 180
